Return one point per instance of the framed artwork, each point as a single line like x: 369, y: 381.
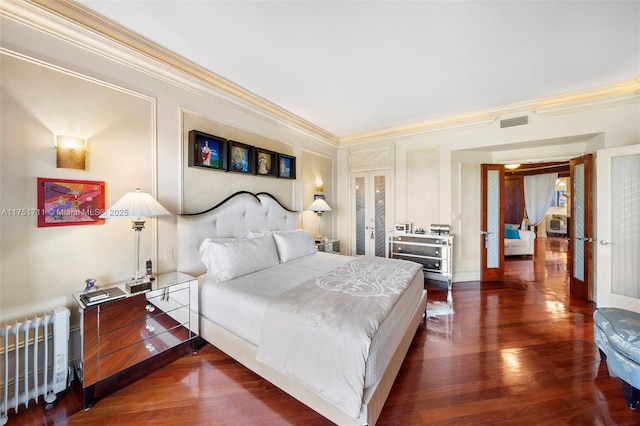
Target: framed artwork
x: 241, y: 158
x: 266, y: 162
x: 286, y: 166
x: 63, y: 202
x: 207, y: 151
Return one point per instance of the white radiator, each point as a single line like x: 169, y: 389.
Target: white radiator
x: 34, y: 360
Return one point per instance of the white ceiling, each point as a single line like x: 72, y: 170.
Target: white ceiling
x: 356, y: 66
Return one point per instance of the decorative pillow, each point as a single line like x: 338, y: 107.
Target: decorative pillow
x: 229, y: 258
x: 294, y: 244
x: 511, y: 225
x: 512, y: 234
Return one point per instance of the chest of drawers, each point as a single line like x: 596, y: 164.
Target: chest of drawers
x: 433, y: 251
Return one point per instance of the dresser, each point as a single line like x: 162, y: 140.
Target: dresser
x: 433, y: 251
x: 122, y: 333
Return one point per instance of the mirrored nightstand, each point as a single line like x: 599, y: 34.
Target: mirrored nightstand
x: 329, y: 246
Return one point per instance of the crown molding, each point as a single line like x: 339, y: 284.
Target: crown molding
x: 458, y: 122
x: 75, y: 23
x: 600, y: 97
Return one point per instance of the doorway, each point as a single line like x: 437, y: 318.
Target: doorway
x: 548, y: 267
x: 580, y: 228
x: 551, y: 250
x: 370, y: 203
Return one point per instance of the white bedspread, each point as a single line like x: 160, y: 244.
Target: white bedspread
x: 319, y: 337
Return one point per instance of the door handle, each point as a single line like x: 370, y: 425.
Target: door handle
x: 606, y: 243
x: 486, y: 238
x: 585, y: 239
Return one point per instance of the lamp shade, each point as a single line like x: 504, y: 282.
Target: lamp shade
x: 319, y: 205
x: 135, y: 204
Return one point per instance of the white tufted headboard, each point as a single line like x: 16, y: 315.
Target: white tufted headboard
x: 240, y: 213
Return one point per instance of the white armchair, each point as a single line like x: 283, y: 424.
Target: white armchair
x: 556, y: 224
x: 523, y: 246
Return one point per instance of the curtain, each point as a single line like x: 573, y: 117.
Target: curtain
x: 538, y: 192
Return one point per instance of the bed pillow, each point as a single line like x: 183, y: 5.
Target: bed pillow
x: 208, y: 257
x: 294, y: 244
x: 229, y: 258
x: 512, y: 234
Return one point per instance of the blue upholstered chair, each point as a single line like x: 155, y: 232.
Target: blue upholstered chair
x: 617, y: 335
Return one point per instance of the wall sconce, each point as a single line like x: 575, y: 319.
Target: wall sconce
x: 319, y: 185
x: 70, y: 152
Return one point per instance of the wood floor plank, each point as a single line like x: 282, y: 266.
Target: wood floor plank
x: 520, y: 352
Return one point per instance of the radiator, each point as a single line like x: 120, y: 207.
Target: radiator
x: 34, y: 360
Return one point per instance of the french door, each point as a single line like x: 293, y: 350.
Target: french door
x: 581, y: 227
x: 618, y: 243
x: 491, y: 223
x: 369, y: 207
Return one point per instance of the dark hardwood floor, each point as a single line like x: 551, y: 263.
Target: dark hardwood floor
x: 515, y: 353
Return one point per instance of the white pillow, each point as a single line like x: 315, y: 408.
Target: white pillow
x: 208, y: 257
x: 294, y: 244
x: 231, y: 258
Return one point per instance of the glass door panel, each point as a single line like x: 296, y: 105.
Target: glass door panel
x: 618, y: 246
x: 369, y: 207
x: 380, y: 217
x: 581, y: 227
x: 360, y: 211
x: 492, y: 219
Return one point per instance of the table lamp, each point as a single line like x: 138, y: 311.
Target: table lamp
x: 139, y: 205
x: 319, y: 206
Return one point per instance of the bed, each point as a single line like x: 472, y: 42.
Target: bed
x: 363, y: 312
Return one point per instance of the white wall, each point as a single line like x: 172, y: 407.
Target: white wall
x: 43, y: 266
x: 438, y: 172
x: 136, y: 114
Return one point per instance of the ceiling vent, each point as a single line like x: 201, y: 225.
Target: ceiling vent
x: 515, y: 121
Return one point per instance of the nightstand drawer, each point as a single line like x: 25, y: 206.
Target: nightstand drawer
x: 122, y: 313
x: 145, y: 349
x: 137, y: 331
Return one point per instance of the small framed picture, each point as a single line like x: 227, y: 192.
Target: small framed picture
x: 286, y: 166
x: 207, y: 151
x: 64, y: 202
x: 241, y: 158
x: 266, y: 162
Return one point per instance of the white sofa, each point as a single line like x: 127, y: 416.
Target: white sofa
x: 522, y: 246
